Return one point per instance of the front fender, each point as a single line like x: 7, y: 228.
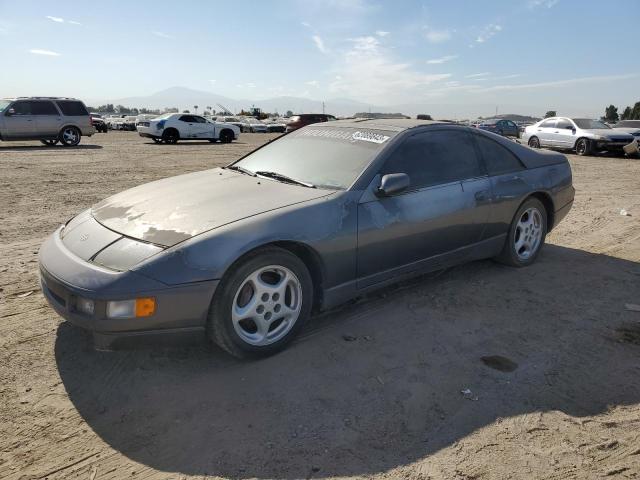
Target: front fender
x: 327, y: 226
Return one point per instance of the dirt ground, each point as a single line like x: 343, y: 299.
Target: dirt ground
x: 371, y: 390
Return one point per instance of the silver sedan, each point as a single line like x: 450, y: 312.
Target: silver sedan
x: 583, y: 135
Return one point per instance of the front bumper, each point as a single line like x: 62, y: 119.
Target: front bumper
x: 65, y: 278
x: 610, y: 145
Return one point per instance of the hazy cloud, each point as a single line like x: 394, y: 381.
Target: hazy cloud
x: 162, y: 35
x: 38, y: 51
x: 312, y: 83
x: 476, y: 75
x: 562, y: 83
x: 542, y: 3
x: 381, y: 33
x: 367, y: 71
x: 437, y: 36
x: 445, y: 59
x: 55, y: 19
x: 488, y: 32
x: 319, y: 43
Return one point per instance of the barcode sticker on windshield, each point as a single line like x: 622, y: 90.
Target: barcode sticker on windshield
x: 370, y: 137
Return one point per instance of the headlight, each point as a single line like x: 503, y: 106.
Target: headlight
x: 136, y: 308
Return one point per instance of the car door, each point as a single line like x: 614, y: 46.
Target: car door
x: 202, y: 128
x: 47, y: 117
x: 510, y: 128
x: 187, y: 126
x: 507, y: 184
x: 545, y: 132
x: 564, y: 133
x: 19, y: 121
x: 437, y: 214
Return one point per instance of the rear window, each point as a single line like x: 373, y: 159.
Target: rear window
x: 72, y: 108
x: 43, y: 108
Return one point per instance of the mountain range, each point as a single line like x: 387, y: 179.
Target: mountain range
x: 185, y: 98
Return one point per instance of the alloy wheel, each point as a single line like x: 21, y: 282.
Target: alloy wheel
x: 266, y: 305
x: 528, y: 234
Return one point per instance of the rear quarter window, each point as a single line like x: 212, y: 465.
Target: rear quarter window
x: 497, y: 158
x: 72, y: 108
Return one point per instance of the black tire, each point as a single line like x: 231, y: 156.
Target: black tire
x: 220, y: 326
x: 213, y: 140
x: 170, y: 136
x: 226, y: 136
x: 70, y: 136
x: 510, y: 255
x: 534, y: 142
x: 50, y: 142
x: 583, y: 147
x: 157, y: 140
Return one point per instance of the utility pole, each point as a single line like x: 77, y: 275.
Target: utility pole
x: 323, y: 108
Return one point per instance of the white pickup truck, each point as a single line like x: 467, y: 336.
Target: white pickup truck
x: 172, y: 127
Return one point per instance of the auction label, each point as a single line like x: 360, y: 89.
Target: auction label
x: 370, y: 137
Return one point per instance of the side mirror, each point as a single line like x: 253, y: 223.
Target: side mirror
x: 569, y: 127
x: 10, y: 112
x: 393, y: 183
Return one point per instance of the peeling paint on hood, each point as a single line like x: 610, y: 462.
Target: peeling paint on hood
x: 169, y: 211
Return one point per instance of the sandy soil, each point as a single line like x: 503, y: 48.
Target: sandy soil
x: 385, y: 404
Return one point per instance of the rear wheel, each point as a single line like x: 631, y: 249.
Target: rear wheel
x: 583, y: 147
x: 526, y: 235
x: 50, y: 142
x: 70, y: 136
x: 261, y: 303
x: 226, y: 136
x: 156, y: 140
x: 534, y: 142
x: 170, y: 136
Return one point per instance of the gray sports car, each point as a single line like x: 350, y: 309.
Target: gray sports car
x: 245, y: 253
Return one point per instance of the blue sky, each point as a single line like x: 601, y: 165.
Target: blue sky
x: 574, y: 55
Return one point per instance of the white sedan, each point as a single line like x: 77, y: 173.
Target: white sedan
x: 172, y: 127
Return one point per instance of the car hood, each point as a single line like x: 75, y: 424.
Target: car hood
x: 605, y: 132
x: 169, y: 211
x: 629, y: 130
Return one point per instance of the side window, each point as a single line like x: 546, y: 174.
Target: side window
x: 548, y: 124
x: 72, y: 108
x: 435, y: 158
x: 186, y: 118
x: 43, y: 108
x: 511, y: 124
x: 199, y: 119
x: 22, y: 108
x: 497, y: 158
x: 564, y: 124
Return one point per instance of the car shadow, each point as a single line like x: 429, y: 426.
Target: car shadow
x: 19, y: 148
x: 377, y: 383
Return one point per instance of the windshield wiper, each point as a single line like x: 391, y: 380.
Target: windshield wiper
x: 284, y: 178
x: 240, y: 169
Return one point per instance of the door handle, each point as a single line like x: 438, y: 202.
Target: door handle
x: 482, y: 195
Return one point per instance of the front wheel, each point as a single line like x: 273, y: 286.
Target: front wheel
x: 226, y: 136
x: 534, y: 142
x: 261, y: 303
x: 526, y: 235
x: 70, y: 136
x: 583, y: 147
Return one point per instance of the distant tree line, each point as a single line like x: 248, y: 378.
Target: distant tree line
x: 122, y: 110
x: 629, y: 113
x: 611, y: 114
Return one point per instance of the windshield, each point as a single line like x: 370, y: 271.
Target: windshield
x: 323, y: 156
x: 4, y: 104
x: 589, y: 124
